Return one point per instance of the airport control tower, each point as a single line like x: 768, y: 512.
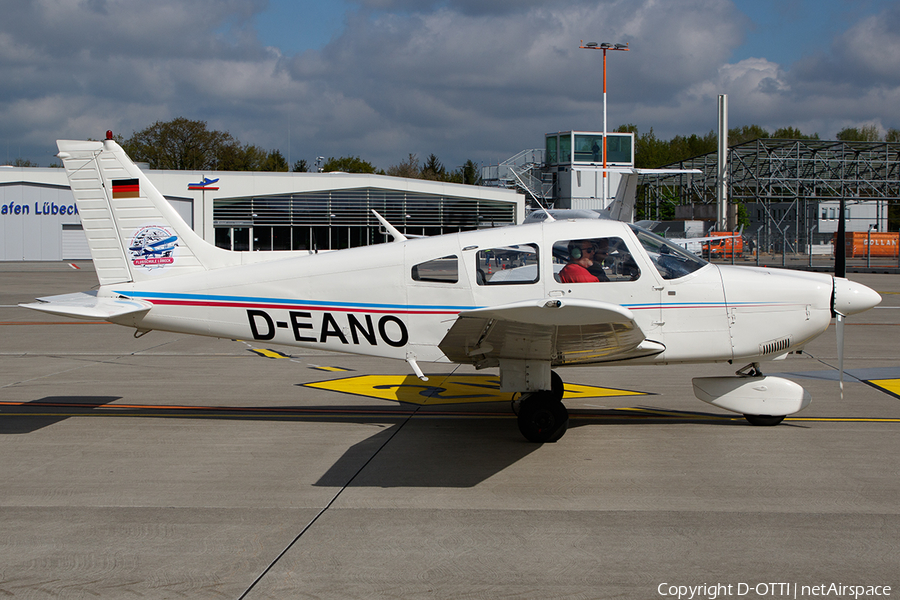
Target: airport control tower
x: 568, y: 171
x: 575, y: 160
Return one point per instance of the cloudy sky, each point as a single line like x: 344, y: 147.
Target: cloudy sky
x: 463, y: 79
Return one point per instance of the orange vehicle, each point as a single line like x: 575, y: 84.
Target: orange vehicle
x: 731, y: 243
x: 856, y: 242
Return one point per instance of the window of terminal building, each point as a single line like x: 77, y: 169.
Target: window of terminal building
x: 336, y: 219
x: 618, y: 149
x: 565, y: 149
x: 589, y: 148
x: 551, y: 150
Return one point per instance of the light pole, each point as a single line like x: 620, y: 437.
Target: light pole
x: 604, y: 46
x: 869, y: 244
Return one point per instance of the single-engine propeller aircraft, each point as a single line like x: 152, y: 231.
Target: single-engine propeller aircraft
x: 525, y: 299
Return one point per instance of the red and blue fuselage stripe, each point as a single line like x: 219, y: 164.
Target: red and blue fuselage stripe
x: 210, y: 300
x: 173, y: 299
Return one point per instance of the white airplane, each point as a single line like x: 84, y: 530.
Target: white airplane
x: 496, y: 298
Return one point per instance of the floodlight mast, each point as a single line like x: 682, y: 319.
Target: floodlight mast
x: 604, y: 46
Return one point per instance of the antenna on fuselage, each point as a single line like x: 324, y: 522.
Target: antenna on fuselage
x: 528, y: 189
x: 398, y: 237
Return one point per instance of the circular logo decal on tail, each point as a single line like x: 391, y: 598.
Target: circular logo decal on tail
x: 153, y: 247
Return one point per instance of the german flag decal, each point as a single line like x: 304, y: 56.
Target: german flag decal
x: 125, y: 188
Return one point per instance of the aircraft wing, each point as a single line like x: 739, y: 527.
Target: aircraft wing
x: 561, y: 331
x: 86, y: 305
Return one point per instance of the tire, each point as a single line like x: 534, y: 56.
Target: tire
x: 764, y: 420
x: 557, y: 387
x: 542, y: 419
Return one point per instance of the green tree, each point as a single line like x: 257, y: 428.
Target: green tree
x: 433, y: 169
x: 866, y: 133
x: 746, y: 133
x: 275, y: 162
x: 469, y: 173
x: 237, y: 157
x: 179, y: 144
x: 301, y: 166
x: 348, y: 164
x: 408, y: 168
x: 683, y: 148
x: 23, y: 162
x: 792, y: 133
x: 892, y: 135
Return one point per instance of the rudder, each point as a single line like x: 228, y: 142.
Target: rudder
x: 133, y: 232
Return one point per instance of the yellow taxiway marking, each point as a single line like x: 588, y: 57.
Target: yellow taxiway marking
x: 843, y: 419
x: 265, y: 352
x: 891, y: 386
x: 331, y: 369
x: 736, y: 417
x: 446, y: 389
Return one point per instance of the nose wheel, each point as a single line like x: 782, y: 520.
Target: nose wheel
x: 542, y: 416
x: 764, y: 420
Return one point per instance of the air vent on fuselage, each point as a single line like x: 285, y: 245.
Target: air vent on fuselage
x: 775, y: 346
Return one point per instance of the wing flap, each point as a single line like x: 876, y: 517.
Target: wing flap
x: 86, y: 305
x: 563, y: 332
x: 555, y: 312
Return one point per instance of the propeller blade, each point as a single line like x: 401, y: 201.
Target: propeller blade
x: 840, y: 270
x: 839, y: 327
x: 849, y: 298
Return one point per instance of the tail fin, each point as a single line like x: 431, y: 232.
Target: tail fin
x: 622, y: 207
x: 133, y: 232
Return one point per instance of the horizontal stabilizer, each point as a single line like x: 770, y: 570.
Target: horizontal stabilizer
x: 86, y: 305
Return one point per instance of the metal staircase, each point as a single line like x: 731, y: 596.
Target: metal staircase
x: 523, y: 172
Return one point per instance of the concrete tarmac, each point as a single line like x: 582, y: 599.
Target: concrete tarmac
x: 172, y: 466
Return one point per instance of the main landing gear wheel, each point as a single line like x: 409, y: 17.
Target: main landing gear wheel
x: 764, y: 420
x: 542, y: 416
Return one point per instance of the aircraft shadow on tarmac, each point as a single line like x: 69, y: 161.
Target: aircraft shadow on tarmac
x: 448, y: 446
x: 463, y: 452
x: 37, y: 414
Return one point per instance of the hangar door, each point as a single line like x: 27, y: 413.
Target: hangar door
x: 74, y: 242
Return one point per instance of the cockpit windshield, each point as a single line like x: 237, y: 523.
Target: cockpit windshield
x: 670, y: 260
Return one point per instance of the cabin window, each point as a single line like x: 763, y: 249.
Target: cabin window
x: 593, y: 260
x: 507, y: 265
x: 670, y: 260
x: 439, y: 270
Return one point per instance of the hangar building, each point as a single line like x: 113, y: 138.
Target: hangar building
x: 256, y: 210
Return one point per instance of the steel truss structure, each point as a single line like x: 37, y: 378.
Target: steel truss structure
x: 802, y: 173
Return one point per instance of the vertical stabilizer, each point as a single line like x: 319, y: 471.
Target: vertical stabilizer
x: 622, y: 207
x: 133, y: 232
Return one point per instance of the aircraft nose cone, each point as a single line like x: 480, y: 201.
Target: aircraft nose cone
x: 851, y: 297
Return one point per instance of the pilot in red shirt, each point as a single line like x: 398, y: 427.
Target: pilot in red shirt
x: 581, y: 256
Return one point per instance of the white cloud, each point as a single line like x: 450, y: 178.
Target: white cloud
x: 459, y: 78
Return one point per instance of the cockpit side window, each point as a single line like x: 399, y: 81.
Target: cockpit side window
x: 670, y: 260
x: 593, y: 260
x: 507, y: 265
x: 439, y: 270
